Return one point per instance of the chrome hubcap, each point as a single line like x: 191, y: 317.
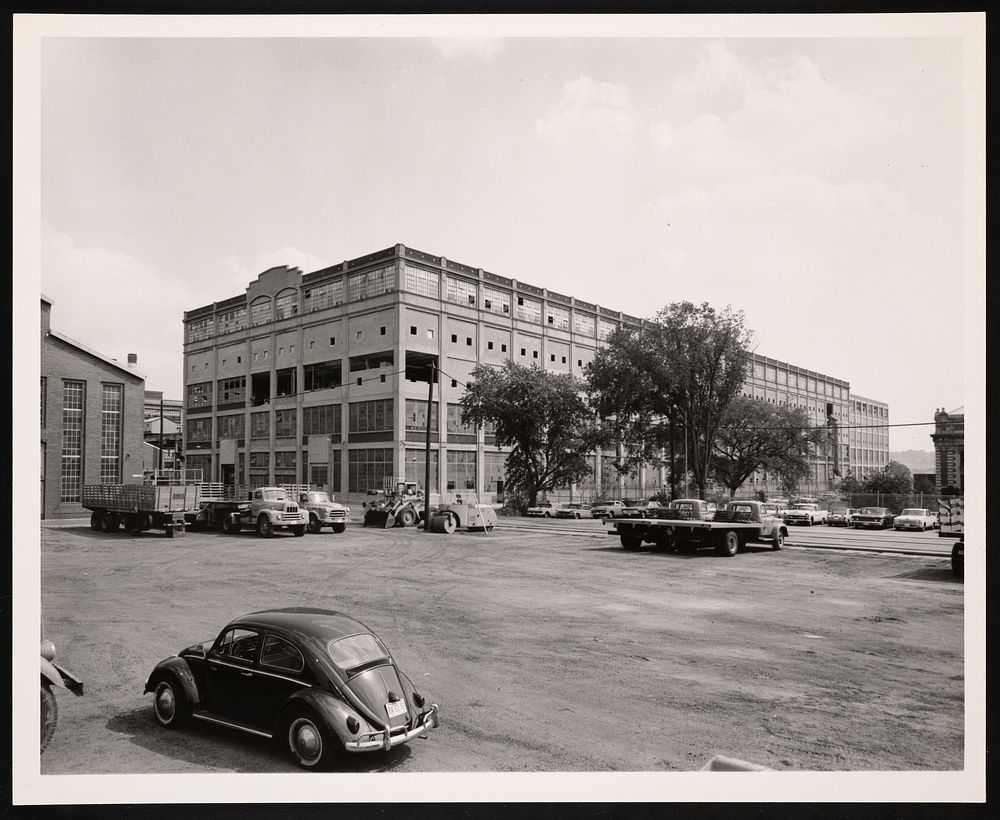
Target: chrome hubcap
x: 306, y: 740
x: 165, y: 704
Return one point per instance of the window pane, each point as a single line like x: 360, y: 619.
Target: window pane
x: 111, y: 433
x: 72, y: 448
x: 420, y: 281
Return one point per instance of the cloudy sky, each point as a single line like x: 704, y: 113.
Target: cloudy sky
x: 815, y: 183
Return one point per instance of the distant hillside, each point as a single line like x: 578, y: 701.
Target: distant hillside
x: 919, y: 461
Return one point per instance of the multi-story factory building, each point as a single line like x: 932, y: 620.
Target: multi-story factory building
x: 869, y: 436
x: 322, y: 378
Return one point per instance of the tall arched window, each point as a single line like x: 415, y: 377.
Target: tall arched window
x: 260, y: 311
x: 286, y: 304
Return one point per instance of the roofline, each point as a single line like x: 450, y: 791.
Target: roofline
x: 107, y: 359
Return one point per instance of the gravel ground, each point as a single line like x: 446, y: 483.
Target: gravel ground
x: 546, y: 652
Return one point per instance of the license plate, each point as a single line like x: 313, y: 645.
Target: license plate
x: 395, y: 708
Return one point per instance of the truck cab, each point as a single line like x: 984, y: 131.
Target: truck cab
x: 693, y: 509
x: 323, y: 511
x: 270, y: 508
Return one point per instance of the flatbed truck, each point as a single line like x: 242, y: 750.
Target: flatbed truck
x: 951, y: 519
x: 680, y: 528
x: 264, y: 509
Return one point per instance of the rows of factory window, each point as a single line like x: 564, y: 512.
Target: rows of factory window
x: 264, y: 310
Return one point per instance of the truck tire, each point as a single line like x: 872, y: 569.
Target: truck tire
x: 314, y: 526
x: 728, y: 544
x: 339, y: 527
x: 230, y: 526
x: 958, y: 559
x: 298, y: 530
x: 110, y: 522
x: 778, y: 541
x: 264, y: 527
x: 406, y: 518
x: 134, y: 523
x: 630, y: 541
x: 95, y: 520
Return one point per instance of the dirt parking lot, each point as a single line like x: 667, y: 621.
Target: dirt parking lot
x: 545, y: 651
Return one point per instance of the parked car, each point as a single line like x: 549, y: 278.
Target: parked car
x: 805, y: 513
x: 544, y: 509
x: 640, y: 510
x: 914, y: 518
x: 840, y: 516
x: 53, y: 674
x: 317, y: 681
x: 607, y: 509
x: 876, y: 517
x: 574, y: 511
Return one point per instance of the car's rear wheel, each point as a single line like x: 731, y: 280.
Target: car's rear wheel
x: 314, y: 525
x: 311, y: 745
x: 264, y: 528
x: 170, y: 705
x: 49, y: 715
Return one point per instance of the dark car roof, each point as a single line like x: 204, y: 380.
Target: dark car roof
x: 323, y: 625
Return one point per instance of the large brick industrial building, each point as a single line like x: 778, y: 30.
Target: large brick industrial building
x: 321, y: 377
x: 91, y: 420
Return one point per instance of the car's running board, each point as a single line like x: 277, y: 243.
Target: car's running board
x: 208, y: 717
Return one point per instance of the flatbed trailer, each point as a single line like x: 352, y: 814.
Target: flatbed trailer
x: 951, y: 520
x: 140, y: 507
x: 727, y: 532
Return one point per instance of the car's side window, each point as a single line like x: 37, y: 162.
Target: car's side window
x: 239, y: 645
x: 280, y: 654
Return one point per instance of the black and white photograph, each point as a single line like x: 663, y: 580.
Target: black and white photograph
x: 499, y: 408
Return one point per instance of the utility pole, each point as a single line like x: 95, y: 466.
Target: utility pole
x: 427, y: 451
x: 159, y: 457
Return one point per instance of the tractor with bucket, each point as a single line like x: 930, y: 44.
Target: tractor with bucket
x: 398, y: 505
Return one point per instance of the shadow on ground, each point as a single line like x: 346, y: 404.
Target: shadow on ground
x: 218, y: 747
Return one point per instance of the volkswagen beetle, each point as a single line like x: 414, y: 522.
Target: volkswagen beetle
x: 316, y: 681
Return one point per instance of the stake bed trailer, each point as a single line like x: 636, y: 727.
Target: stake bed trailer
x: 727, y: 532
x: 140, y: 507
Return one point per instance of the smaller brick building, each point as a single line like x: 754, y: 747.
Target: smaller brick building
x: 91, y: 420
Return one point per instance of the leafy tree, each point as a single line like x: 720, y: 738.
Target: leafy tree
x: 678, y: 371
x: 896, y: 479
x: 923, y: 484
x: 851, y: 485
x: 755, y: 435
x: 541, y: 416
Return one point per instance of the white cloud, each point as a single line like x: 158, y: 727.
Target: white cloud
x: 457, y: 48
x: 764, y: 117
x: 590, y: 113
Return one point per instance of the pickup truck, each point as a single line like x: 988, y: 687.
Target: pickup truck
x: 688, y: 524
x: 805, y: 513
x: 324, y: 511
x: 607, y: 509
x: 269, y: 509
x: 639, y: 510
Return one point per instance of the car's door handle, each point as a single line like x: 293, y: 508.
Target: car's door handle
x: 246, y: 674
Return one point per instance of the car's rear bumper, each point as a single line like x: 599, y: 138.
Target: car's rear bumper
x: 377, y: 740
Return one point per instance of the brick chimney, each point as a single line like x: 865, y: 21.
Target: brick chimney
x: 133, y: 361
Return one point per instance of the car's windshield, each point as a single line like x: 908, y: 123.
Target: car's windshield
x: 318, y: 498
x: 357, y: 650
x: 804, y: 507
x: 273, y: 495
x: 873, y: 510
x: 838, y: 511
x: 914, y: 511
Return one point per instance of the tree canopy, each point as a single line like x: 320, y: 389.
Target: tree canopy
x: 755, y: 435
x: 682, y: 368
x: 542, y: 416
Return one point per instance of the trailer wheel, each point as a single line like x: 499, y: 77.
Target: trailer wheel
x: 630, y: 541
x: 110, y: 522
x: 230, y: 526
x: 314, y: 526
x: 729, y: 544
x: 133, y: 523
x: 339, y: 527
x: 264, y: 528
x: 95, y: 520
x: 407, y: 518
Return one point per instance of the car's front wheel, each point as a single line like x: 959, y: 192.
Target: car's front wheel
x: 49, y: 715
x: 170, y: 705
x: 310, y: 744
